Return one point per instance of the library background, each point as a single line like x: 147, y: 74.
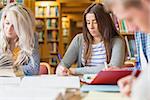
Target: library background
x: 58, y: 21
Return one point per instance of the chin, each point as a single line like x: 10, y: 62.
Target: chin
x: 10, y: 36
x: 95, y: 35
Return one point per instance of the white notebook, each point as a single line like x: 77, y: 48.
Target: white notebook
x: 10, y: 81
x: 7, y: 72
x: 20, y: 93
x: 51, y: 81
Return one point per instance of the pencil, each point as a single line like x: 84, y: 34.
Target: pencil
x: 105, y: 64
x: 133, y: 74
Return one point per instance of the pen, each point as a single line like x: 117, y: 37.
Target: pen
x: 59, y: 57
x: 105, y: 64
x: 133, y: 74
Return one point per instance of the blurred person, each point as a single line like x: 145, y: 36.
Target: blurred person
x: 135, y: 12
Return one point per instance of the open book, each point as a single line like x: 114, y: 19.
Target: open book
x: 6, y: 61
x: 46, y: 87
x: 6, y: 65
x: 107, y: 77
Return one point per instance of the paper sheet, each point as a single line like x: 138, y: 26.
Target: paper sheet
x: 10, y: 81
x: 19, y: 93
x: 51, y: 81
x: 7, y: 72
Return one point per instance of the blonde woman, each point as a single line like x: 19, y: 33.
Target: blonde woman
x: 18, y: 38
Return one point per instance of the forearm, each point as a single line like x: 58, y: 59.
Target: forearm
x: 89, y: 70
x: 32, y: 68
x: 118, y: 53
x: 72, y: 52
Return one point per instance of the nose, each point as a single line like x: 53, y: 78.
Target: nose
x: 10, y: 28
x: 91, y: 25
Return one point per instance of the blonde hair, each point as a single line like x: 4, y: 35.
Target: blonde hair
x: 23, y: 23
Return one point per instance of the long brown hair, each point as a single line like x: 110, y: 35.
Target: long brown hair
x: 106, y: 28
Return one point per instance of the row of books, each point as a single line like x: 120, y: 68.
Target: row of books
x: 41, y: 36
x: 51, y: 11
x: 54, y: 47
x: 52, y: 23
x: 52, y: 35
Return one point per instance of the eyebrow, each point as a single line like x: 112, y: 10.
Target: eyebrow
x: 92, y: 20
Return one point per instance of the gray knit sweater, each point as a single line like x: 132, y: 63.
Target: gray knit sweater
x: 74, y: 53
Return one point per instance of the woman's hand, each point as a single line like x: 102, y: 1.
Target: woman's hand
x: 125, y: 85
x: 111, y: 68
x: 61, y: 70
x: 72, y: 71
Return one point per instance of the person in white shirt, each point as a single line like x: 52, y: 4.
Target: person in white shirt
x: 136, y: 12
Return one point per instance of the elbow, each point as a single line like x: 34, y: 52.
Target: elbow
x: 30, y: 70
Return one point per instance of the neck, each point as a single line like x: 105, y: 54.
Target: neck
x: 12, y: 43
x: 97, y: 40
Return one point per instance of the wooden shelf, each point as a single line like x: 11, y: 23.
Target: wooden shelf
x: 48, y: 17
x: 53, y: 41
x: 53, y: 65
x: 41, y: 42
x: 52, y: 28
x: 53, y: 53
x: 129, y: 33
x: 51, y: 17
x: 40, y: 17
x: 50, y: 13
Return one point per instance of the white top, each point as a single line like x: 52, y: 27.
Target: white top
x: 98, y: 55
x: 142, y: 57
x: 141, y: 88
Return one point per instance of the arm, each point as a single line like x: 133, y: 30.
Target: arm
x: 72, y: 52
x: 32, y: 68
x: 70, y: 57
x: 118, y: 52
x: 87, y: 70
x: 117, y: 59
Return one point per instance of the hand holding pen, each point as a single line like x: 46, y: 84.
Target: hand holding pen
x: 61, y: 70
x: 125, y: 84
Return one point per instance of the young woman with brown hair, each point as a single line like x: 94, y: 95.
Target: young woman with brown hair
x: 99, y: 43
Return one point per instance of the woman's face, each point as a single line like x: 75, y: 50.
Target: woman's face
x: 9, y: 28
x: 134, y: 16
x: 92, y: 24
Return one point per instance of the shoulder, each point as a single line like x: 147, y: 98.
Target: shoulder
x: 117, y: 40
x: 78, y: 38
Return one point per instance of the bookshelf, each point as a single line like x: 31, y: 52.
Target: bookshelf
x: 48, y: 26
x: 66, y: 32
